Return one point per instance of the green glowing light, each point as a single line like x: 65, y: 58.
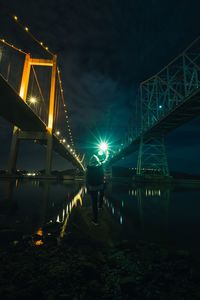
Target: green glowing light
x: 103, y: 152
x: 100, y: 152
x: 103, y: 146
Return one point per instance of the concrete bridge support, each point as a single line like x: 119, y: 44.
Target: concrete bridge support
x: 41, y: 137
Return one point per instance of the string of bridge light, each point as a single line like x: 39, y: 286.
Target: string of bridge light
x: 27, y: 30
x: 64, y: 106
x: 71, y: 149
x: 12, y: 46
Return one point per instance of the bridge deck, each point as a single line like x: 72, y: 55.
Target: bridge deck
x: 182, y: 113
x: 18, y: 113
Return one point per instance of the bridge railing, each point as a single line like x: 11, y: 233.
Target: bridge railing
x: 12, y: 61
x: 11, y: 64
x: 171, y: 86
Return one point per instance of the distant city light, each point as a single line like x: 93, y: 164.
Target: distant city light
x: 31, y: 174
x: 160, y: 106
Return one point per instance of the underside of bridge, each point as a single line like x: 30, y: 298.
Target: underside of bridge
x: 28, y: 126
x: 182, y: 113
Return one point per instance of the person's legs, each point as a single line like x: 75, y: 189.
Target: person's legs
x: 101, y: 194
x: 94, y: 196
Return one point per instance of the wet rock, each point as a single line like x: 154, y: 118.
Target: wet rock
x: 128, y: 284
x: 89, y: 270
x: 182, y: 253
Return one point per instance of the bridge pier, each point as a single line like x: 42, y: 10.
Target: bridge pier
x: 13, y: 152
x: 152, y: 158
x: 49, y: 154
x: 42, y: 137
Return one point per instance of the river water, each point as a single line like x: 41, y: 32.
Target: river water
x: 166, y: 214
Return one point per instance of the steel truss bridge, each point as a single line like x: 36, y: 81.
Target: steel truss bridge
x: 167, y: 100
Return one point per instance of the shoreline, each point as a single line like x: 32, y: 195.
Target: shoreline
x: 89, y: 263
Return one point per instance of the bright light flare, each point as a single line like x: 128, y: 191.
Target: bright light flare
x: 33, y: 100
x: 103, y: 146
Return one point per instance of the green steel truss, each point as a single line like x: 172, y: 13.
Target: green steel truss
x: 152, y: 157
x: 167, y: 100
x: 171, y: 86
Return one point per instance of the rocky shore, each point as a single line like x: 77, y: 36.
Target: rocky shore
x: 88, y: 264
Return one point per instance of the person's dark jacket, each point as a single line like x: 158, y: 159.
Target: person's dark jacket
x: 94, y: 175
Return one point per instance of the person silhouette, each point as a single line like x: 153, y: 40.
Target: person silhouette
x: 95, y: 185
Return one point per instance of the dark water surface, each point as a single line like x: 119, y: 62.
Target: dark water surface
x: 34, y: 211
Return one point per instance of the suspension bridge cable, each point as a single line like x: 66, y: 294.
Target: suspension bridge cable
x: 27, y: 30
x: 39, y: 87
x: 65, y: 110
x: 40, y: 90
x: 12, y: 46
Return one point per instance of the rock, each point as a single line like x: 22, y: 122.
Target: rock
x: 128, y: 284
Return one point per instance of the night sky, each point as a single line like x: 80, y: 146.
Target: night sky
x: 106, y: 48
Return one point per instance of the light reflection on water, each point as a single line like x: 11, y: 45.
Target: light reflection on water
x: 167, y: 214
x: 40, y: 210
x: 36, y: 210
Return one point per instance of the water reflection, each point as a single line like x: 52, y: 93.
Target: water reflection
x: 36, y: 211
x: 142, y: 211
x: 163, y: 213
x: 78, y: 199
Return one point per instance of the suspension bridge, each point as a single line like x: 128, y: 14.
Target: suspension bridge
x: 168, y: 99
x: 32, y: 99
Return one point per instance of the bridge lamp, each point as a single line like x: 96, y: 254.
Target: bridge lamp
x: 57, y: 132
x: 64, y: 140
x: 33, y: 100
